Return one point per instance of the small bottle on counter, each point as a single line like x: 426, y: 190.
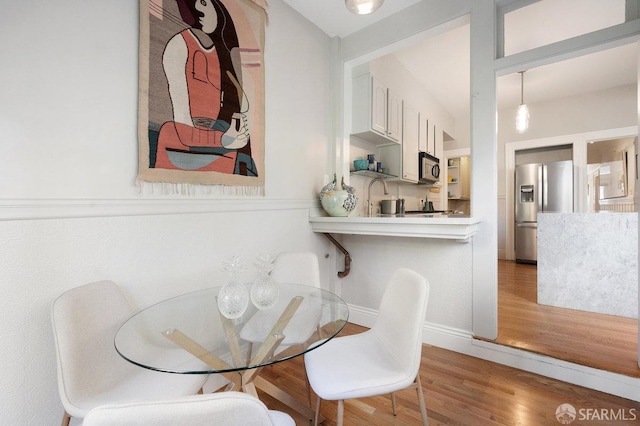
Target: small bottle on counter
x: 372, y: 162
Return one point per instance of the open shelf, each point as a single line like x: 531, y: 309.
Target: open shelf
x: 372, y: 174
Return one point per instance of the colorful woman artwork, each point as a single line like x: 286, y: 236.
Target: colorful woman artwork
x: 210, y: 129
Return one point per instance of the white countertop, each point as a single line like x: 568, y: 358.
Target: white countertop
x: 452, y: 227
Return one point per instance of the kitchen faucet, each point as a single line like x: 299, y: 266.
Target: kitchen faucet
x: 386, y: 192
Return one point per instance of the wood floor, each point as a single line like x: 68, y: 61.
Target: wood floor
x: 459, y: 390
x: 602, y: 341
x: 463, y: 390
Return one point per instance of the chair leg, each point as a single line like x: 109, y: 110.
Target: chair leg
x: 306, y: 382
x: 393, y: 404
x: 340, y: 412
x: 66, y: 418
x: 423, y: 405
x: 317, y: 416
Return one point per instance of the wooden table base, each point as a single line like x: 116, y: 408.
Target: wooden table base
x: 246, y: 380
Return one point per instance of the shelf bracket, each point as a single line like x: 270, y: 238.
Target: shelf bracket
x: 347, y: 256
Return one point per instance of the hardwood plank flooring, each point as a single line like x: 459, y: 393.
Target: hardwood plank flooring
x: 459, y: 390
x: 463, y: 390
x: 601, y: 341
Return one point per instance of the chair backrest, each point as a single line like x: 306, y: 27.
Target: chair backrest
x: 223, y: 408
x: 401, y: 316
x: 297, y: 268
x: 85, y: 320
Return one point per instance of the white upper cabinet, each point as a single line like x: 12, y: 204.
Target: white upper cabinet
x: 377, y: 111
x: 410, y: 142
x: 423, y: 132
x: 436, y: 139
x: 431, y: 136
x: 379, y: 107
x: 394, y: 117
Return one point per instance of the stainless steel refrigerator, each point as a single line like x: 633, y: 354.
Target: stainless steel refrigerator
x: 540, y: 187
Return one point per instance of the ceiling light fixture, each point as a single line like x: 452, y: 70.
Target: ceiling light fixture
x: 522, y: 117
x: 363, y: 7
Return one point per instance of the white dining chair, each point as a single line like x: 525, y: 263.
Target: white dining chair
x: 90, y: 371
x: 298, y: 268
x: 381, y: 360
x: 289, y: 267
x: 222, y: 408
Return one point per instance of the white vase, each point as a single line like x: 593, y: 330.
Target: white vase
x: 233, y: 299
x: 338, y: 200
x: 264, y: 292
x: 337, y: 203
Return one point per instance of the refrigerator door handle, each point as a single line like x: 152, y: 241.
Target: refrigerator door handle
x: 526, y: 224
x: 541, y: 198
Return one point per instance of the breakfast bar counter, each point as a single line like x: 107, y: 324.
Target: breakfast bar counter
x: 451, y: 227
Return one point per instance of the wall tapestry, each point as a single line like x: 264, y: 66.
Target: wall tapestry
x: 201, y: 95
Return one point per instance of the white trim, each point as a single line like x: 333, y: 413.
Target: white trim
x: 462, y: 341
x: 452, y: 227
x: 31, y: 209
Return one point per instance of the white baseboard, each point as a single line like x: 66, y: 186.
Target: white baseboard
x: 462, y: 341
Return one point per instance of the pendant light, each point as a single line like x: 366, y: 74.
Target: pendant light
x: 363, y: 7
x: 522, y: 117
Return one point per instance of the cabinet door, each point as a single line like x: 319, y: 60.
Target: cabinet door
x: 423, y: 132
x: 431, y: 141
x: 465, y: 177
x: 379, y: 107
x: 410, y: 132
x: 436, y: 141
x: 394, y: 121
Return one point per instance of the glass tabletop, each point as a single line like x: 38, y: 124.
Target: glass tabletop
x: 188, y: 333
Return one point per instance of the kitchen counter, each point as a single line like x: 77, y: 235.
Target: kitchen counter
x: 451, y: 227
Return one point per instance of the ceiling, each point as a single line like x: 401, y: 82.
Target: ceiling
x: 543, y: 22
x: 332, y: 17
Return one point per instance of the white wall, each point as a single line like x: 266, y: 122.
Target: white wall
x: 70, y: 211
x: 445, y: 264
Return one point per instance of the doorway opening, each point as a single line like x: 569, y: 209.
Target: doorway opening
x: 604, y: 341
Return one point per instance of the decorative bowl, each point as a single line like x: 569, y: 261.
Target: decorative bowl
x: 360, y: 164
x: 338, y: 203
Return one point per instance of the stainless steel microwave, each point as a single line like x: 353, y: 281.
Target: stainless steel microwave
x: 429, y: 167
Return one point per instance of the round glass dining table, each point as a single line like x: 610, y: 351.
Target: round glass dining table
x: 188, y: 334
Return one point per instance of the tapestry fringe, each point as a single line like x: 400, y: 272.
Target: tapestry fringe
x: 194, y: 190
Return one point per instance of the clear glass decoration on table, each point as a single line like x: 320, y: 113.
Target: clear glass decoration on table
x: 233, y: 298
x: 338, y: 202
x: 264, y: 291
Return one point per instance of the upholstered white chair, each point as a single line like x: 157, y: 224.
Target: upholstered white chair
x: 381, y: 360
x: 90, y: 371
x: 222, y: 408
